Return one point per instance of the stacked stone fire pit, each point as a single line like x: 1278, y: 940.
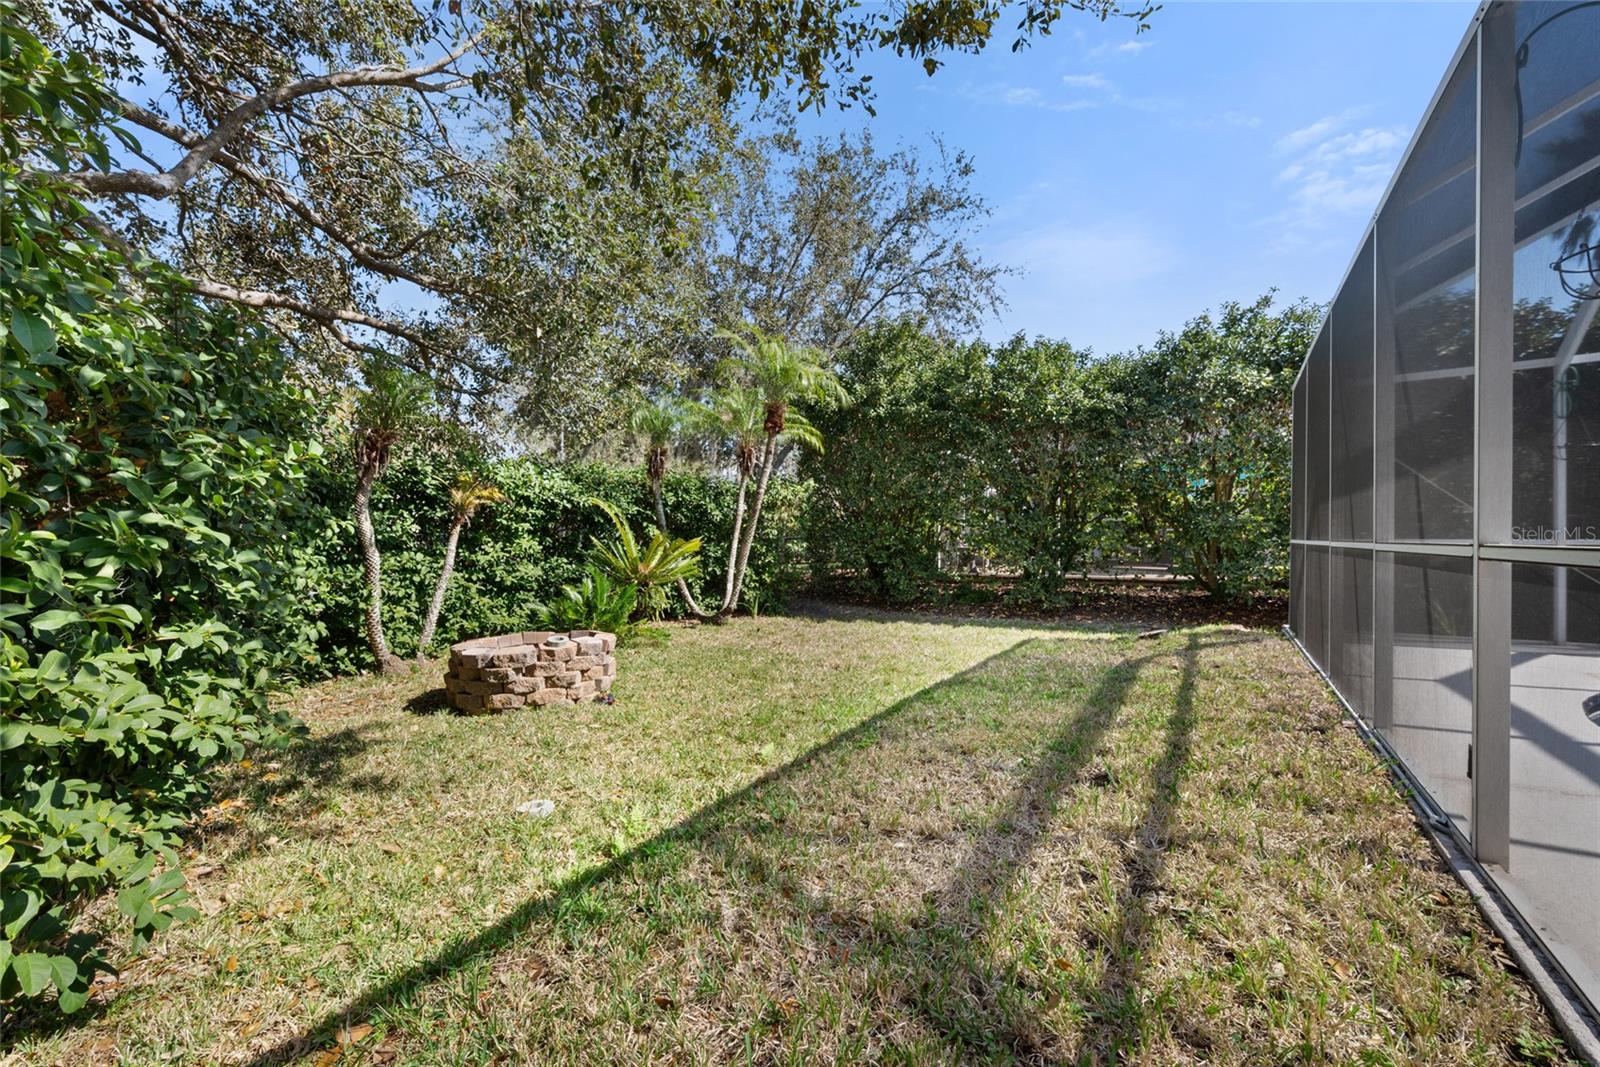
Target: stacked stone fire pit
x: 533, y: 668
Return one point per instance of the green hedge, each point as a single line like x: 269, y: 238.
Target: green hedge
x: 515, y: 553
x: 1039, y: 460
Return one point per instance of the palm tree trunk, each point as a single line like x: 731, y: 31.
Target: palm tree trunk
x: 387, y: 662
x: 733, y: 549
x: 437, y: 604
x: 767, y: 464
x: 683, y: 586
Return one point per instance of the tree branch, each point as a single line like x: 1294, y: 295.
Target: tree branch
x: 161, y: 185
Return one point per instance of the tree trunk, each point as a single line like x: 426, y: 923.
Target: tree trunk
x: 767, y: 457
x: 387, y: 662
x: 733, y: 548
x: 683, y: 586
x: 437, y: 604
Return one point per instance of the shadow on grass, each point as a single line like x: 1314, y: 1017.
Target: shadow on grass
x: 1115, y: 1005
x: 966, y: 998
x: 947, y: 971
x: 431, y: 702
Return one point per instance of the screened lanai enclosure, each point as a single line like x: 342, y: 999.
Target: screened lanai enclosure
x: 1445, y: 565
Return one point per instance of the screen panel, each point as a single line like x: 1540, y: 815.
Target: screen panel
x: 1555, y: 759
x: 1431, y: 694
x: 1297, y: 485
x: 1350, y: 627
x: 1352, y: 413
x: 1426, y: 268
x: 1556, y: 277
x: 1316, y: 601
x: 1317, y: 429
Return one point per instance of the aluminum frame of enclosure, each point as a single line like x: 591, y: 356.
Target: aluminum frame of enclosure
x: 1445, y: 550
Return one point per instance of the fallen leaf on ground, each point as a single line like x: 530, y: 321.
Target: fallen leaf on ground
x: 354, y: 1034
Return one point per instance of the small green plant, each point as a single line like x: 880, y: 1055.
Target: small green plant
x: 753, y: 597
x: 651, y: 568
x: 595, y: 603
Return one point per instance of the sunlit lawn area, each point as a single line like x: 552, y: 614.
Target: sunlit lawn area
x: 854, y: 838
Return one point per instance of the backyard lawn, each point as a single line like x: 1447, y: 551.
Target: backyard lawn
x: 851, y: 838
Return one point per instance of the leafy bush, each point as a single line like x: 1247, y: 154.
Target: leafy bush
x: 148, y: 593
x: 1036, y: 460
x: 514, y: 555
x: 651, y: 568
x: 595, y: 603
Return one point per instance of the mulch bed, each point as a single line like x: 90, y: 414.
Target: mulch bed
x: 1131, y: 602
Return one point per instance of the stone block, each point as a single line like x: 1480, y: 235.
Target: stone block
x: 608, y: 642
x: 535, y: 637
x: 593, y: 672
x: 547, y: 696
x: 560, y: 653
x: 504, y: 701
x: 525, y: 685
x: 581, y: 691
x: 514, y: 657
x: 468, y: 702
x: 581, y: 663
x: 468, y: 673
x: 602, y: 684
x: 499, y: 674
x: 566, y: 680
x: 610, y: 667
x: 590, y: 646
x: 477, y: 657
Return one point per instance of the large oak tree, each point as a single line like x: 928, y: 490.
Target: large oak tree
x: 480, y: 186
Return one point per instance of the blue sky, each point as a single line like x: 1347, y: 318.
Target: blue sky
x: 1138, y: 180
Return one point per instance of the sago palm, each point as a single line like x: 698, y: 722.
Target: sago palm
x: 781, y: 375
x: 469, y: 494
x: 394, y: 402
x: 650, y: 567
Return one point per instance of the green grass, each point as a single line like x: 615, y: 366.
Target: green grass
x: 830, y: 840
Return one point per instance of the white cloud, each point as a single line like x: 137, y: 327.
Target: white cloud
x: 1315, y: 132
x: 1095, y: 256
x: 1023, y: 96
x: 1335, y: 172
x: 1122, y: 48
x: 1085, y: 81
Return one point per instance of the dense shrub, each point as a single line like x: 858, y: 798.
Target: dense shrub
x: 516, y: 554
x: 888, y: 491
x: 1215, y: 463
x: 153, y: 453
x: 1037, y: 460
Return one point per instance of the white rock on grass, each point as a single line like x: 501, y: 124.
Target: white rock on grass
x: 537, y: 809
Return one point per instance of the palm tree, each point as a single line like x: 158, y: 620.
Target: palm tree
x: 735, y: 414
x: 781, y: 375
x: 657, y: 421
x: 394, y: 401
x: 469, y: 494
